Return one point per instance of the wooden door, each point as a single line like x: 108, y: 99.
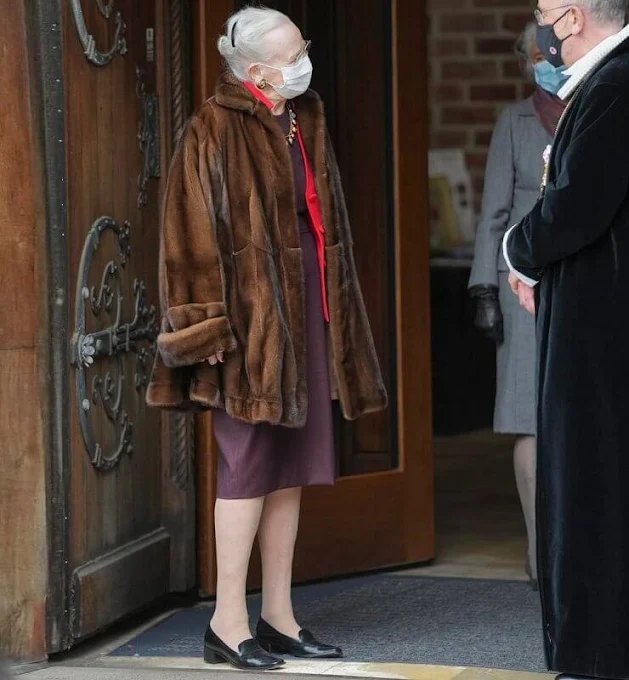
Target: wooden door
x: 370, y: 68
x: 120, y: 482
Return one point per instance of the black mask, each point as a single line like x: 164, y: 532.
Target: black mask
x: 549, y: 44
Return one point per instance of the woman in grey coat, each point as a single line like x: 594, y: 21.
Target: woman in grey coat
x: 513, y: 176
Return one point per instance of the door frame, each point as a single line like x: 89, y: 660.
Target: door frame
x: 46, y: 46
x: 414, y: 477
x: 412, y: 234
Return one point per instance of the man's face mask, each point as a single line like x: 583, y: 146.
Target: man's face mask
x: 549, y: 44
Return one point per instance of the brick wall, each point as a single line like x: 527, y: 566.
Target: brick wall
x: 473, y: 73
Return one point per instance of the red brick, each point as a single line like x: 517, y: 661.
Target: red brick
x: 476, y: 160
x: 459, y: 22
x: 482, y: 137
x: 493, y: 46
x: 449, y: 47
x: 467, y: 115
x: 515, y: 23
x: 449, y: 92
x: 493, y: 93
x: 449, y: 139
x: 469, y: 70
x: 469, y: 87
x: 512, y: 69
x: 502, y: 3
x: 434, y: 5
x: 478, y: 182
x: 527, y: 90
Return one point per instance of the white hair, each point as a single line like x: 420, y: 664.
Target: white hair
x: 606, y: 12
x: 243, y: 42
x: 524, y: 49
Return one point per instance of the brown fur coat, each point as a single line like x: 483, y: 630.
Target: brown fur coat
x: 231, y: 275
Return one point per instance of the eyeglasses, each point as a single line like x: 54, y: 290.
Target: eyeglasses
x: 304, y: 52
x: 539, y: 15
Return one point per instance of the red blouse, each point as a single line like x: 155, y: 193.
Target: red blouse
x: 312, y: 201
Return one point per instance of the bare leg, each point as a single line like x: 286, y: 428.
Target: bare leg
x: 236, y: 523
x: 278, y: 533
x: 525, y: 460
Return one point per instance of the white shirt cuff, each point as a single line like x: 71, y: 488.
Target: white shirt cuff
x: 525, y: 279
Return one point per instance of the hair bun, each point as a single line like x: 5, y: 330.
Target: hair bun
x: 224, y: 45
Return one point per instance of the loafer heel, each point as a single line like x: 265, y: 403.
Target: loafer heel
x: 210, y: 656
x: 249, y: 657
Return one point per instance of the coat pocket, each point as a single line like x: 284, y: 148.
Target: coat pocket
x: 295, y: 308
x: 256, y: 321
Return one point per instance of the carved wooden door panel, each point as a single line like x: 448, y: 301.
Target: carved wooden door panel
x: 117, y: 490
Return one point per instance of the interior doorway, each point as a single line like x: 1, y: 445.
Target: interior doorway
x: 479, y: 524
x: 474, y: 72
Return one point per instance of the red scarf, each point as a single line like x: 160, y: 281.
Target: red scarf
x: 548, y: 109
x: 312, y: 202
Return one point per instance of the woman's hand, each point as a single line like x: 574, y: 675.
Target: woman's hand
x: 216, y: 358
x: 526, y: 294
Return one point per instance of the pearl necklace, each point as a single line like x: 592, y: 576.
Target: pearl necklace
x: 292, y: 126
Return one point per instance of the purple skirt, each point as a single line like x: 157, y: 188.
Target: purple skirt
x: 256, y: 460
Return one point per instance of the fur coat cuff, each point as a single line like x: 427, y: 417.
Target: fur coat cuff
x: 199, y: 331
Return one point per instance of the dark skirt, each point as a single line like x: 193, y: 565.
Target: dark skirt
x: 256, y: 460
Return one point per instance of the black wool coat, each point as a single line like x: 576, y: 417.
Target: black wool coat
x: 576, y: 243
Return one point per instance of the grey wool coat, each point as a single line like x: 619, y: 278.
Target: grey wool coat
x: 513, y: 176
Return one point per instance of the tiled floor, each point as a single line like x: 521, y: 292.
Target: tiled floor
x: 479, y: 526
x: 189, y: 669
x: 329, y: 669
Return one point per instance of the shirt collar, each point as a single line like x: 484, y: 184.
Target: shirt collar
x: 582, y: 68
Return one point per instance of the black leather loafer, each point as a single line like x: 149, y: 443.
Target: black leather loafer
x: 249, y: 657
x: 306, y: 647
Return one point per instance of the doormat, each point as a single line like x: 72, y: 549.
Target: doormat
x: 391, y: 618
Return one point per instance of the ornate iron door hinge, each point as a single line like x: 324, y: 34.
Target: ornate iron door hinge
x: 148, y: 138
x: 93, y: 54
x: 116, y: 341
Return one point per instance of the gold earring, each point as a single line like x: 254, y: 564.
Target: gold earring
x: 262, y: 84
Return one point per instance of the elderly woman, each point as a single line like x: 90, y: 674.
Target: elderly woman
x: 263, y: 318
x: 513, y: 176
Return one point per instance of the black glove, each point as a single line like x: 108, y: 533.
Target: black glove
x: 488, y: 318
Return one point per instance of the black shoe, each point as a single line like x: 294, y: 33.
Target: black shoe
x: 306, y: 647
x: 250, y: 656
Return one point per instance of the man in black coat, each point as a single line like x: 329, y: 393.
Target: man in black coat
x: 570, y: 258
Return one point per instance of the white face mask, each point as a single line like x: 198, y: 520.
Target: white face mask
x: 296, y: 78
